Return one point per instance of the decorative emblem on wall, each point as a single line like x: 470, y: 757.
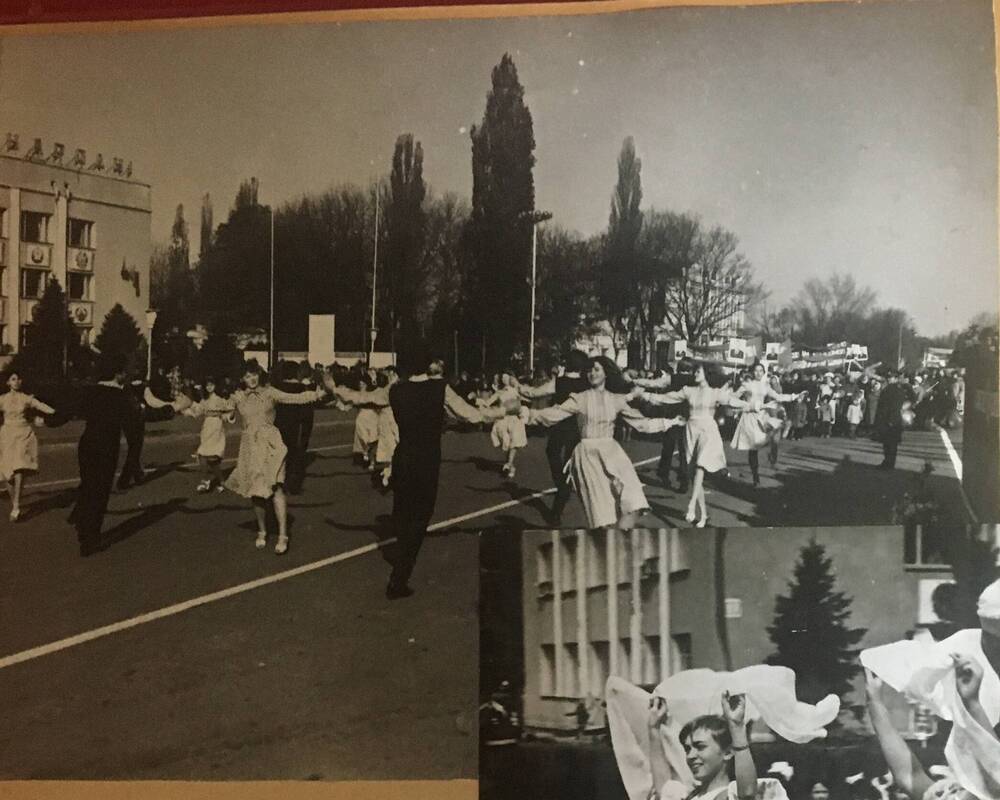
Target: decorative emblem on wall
x: 82, y: 259
x: 81, y: 314
x: 37, y: 255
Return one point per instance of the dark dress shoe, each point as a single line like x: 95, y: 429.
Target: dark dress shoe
x: 393, y: 592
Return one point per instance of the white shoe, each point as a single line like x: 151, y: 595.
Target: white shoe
x: 15, y: 514
x: 203, y: 487
x: 689, y: 516
x: 261, y: 542
x: 282, y: 546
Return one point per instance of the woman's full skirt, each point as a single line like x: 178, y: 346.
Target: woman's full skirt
x: 260, y: 465
x: 509, y: 433
x: 753, y: 430
x: 606, y: 482
x: 18, y: 450
x: 704, y: 445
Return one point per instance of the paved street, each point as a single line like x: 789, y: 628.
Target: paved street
x: 310, y: 673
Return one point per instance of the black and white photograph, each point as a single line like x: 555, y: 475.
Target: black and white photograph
x: 292, y: 310
x: 853, y: 663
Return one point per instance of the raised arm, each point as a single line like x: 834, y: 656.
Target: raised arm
x: 777, y: 397
x: 635, y: 419
x: 458, y: 409
x: 908, y: 773
x: 39, y: 406
x: 378, y: 397
x: 727, y: 397
x: 659, y: 766
x: 547, y: 417
x: 299, y: 399
x: 663, y: 398
x: 734, y: 707
x: 547, y: 389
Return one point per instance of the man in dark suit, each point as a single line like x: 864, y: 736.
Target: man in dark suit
x: 889, y: 418
x: 419, y: 406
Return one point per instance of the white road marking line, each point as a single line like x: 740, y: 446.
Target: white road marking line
x: 187, y: 605
x: 73, y: 481
x: 956, y: 462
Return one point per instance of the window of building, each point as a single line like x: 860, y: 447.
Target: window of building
x: 547, y: 670
x: 597, y: 558
x: 543, y: 561
x: 85, y: 336
x: 3, y: 281
x: 681, y: 654
x: 4, y: 233
x: 24, y: 336
x: 600, y: 667
x: 78, y: 286
x: 33, y: 283
x: 651, y: 659
x: 81, y: 233
x: 571, y: 671
x: 625, y: 658
x: 567, y: 566
x: 923, y: 546
x: 35, y: 227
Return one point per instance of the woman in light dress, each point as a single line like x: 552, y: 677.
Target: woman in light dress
x: 386, y: 428
x: 757, y: 426
x: 605, y: 478
x: 18, y: 443
x: 366, y: 425
x: 508, y: 432
x: 212, y: 442
x: 705, y: 451
x: 260, y: 466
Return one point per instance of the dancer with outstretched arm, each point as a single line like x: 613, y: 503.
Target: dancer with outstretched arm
x: 609, y: 488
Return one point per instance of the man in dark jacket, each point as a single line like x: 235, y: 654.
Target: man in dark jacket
x: 419, y: 406
x: 889, y: 418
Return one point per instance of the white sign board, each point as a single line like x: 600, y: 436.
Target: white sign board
x: 321, y: 338
x: 380, y: 360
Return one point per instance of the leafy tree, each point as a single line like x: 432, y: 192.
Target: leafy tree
x: 499, y: 231
x: 810, y: 629
x: 406, y: 230
x: 53, y: 342
x: 567, y: 270
x: 619, y: 276
x: 120, y: 335
x: 234, y: 272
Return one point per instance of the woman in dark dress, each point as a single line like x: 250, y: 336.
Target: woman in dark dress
x: 108, y: 410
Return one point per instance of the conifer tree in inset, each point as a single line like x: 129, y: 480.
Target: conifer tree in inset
x: 811, y: 632
x: 120, y: 336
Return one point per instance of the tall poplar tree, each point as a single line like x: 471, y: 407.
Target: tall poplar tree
x: 499, y: 232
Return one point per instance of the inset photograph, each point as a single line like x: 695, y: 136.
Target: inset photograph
x: 808, y: 663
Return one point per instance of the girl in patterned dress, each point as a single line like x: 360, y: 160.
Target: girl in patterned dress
x: 260, y: 466
x: 18, y: 443
x: 602, y: 472
x: 705, y: 450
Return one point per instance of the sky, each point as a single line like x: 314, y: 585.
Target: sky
x: 854, y: 137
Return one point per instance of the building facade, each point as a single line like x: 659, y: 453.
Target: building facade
x: 597, y: 604
x: 86, y: 226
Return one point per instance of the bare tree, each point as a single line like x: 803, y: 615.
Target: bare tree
x: 826, y: 311
x: 715, y: 283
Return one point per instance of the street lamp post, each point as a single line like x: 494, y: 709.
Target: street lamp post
x: 373, y: 328
x: 150, y: 323
x: 272, y: 350
x: 534, y: 217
